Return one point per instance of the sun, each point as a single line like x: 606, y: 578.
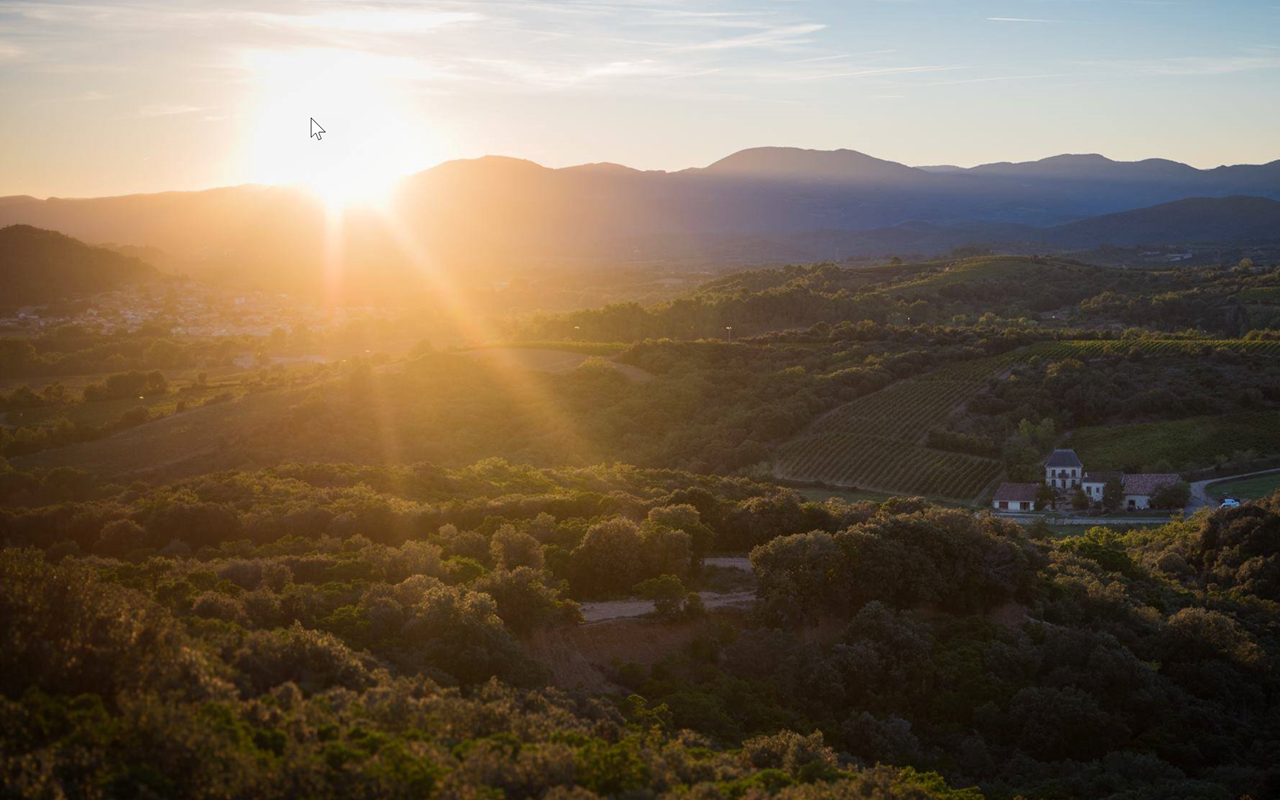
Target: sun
x: 356, y: 175
x: 375, y: 128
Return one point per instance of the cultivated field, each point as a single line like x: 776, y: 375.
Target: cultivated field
x: 876, y: 442
x: 1184, y: 443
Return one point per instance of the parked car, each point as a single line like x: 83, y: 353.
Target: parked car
x: 1230, y: 502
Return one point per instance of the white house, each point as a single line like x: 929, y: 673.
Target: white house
x: 1016, y: 497
x: 1064, y: 473
x: 1095, y: 483
x: 1063, y: 470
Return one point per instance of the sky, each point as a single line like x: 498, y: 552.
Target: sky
x: 103, y: 98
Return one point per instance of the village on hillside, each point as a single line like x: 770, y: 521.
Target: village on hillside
x: 1067, y: 485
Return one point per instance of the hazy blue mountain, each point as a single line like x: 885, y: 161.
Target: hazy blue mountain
x: 1237, y: 220
x: 483, y: 216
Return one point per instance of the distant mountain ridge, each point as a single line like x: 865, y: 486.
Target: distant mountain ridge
x: 481, y: 217
x: 39, y: 266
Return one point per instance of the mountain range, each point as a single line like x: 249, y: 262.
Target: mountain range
x: 485, y: 216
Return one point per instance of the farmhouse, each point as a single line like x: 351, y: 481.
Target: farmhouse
x: 1063, y: 470
x: 1064, y: 473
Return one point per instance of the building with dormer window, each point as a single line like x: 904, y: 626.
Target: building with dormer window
x: 1063, y: 470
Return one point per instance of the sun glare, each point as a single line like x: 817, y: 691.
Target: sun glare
x: 373, y: 135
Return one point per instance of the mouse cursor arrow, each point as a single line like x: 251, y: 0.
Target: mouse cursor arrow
x: 316, y: 130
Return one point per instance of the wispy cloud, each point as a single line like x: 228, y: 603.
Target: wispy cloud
x: 779, y: 36
x: 365, y: 19
x: 1190, y: 65
x: 1021, y: 19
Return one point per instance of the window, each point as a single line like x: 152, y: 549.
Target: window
x: 1004, y: 504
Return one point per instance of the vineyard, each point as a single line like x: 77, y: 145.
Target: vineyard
x: 877, y: 442
x: 1151, y: 347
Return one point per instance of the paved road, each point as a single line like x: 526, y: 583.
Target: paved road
x: 1200, y: 489
x: 1026, y: 519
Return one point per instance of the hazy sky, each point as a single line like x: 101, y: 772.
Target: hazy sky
x: 111, y: 98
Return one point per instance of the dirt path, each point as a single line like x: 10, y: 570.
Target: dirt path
x: 606, y: 610
x: 729, y: 562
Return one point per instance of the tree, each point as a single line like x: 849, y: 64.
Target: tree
x: 511, y: 549
x: 1046, y: 496
x: 120, y: 537
x: 1112, y: 494
x: 666, y: 593
x: 609, y: 558
x: 1079, y: 500
x: 1173, y: 495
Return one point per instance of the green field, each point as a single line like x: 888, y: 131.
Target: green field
x: 1246, y: 488
x: 1186, y: 443
x: 175, y: 445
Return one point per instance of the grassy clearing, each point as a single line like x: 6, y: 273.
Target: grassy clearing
x: 1246, y: 488
x: 1185, y: 443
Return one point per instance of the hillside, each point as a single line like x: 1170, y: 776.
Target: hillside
x: 40, y: 266
x: 1200, y: 219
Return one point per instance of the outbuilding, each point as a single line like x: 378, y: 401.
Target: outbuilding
x: 1016, y: 497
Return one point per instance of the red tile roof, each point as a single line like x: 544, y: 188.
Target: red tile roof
x: 1150, y: 482
x: 1017, y: 492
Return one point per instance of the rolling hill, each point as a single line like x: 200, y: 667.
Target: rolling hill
x: 1201, y: 219
x: 479, y: 219
x: 40, y: 266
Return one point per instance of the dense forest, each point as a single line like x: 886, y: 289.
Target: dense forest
x: 332, y: 630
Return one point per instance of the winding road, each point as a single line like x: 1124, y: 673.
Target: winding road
x: 1200, y: 489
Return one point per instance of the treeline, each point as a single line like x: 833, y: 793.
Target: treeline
x: 599, y: 530
x: 78, y: 350
x: 1013, y: 291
